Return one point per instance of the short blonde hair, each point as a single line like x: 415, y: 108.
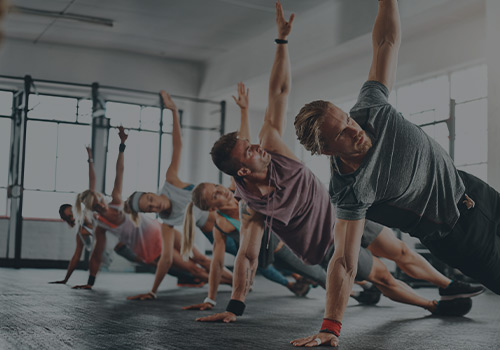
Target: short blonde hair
x: 307, y: 125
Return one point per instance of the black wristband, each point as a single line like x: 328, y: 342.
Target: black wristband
x: 122, y: 147
x: 281, y: 41
x: 236, y: 307
x: 91, y: 280
x: 326, y: 330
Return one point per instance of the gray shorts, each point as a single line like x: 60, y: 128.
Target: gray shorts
x: 365, y: 260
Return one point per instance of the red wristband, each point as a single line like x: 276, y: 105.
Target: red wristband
x: 331, y: 326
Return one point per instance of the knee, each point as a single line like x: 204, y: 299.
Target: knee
x: 404, y: 253
x: 384, y: 278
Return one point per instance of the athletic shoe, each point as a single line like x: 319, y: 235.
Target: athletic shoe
x: 455, y: 307
x: 370, y: 296
x: 457, y: 289
x: 300, y: 289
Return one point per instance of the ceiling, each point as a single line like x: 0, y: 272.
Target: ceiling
x: 193, y: 30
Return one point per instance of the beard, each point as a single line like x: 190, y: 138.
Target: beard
x: 366, y: 145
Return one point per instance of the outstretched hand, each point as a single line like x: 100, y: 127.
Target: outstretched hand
x: 225, y: 317
x: 317, y: 340
x: 202, y: 307
x: 167, y: 101
x: 242, y: 100
x: 121, y: 134
x: 284, y: 27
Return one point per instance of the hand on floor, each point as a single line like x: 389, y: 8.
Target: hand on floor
x: 225, y: 317
x: 202, y: 306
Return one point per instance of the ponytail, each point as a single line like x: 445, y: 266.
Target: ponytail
x: 189, y: 232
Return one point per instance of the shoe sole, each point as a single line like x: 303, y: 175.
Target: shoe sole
x: 458, y: 296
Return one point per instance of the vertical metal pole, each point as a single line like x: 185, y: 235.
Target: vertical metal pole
x: 451, y: 123
x: 222, y: 127
x: 162, y: 108
x: 20, y: 185
x: 13, y: 182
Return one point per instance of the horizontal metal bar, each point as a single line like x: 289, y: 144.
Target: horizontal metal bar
x: 473, y: 100
x: 55, y: 121
x: 434, y: 123
x: 193, y: 99
x: 63, y: 15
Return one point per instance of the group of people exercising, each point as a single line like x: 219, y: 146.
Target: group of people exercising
x: 386, y: 172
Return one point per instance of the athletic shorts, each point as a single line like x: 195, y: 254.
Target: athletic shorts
x: 365, y: 260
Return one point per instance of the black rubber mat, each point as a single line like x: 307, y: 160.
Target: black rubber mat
x: 37, y: 315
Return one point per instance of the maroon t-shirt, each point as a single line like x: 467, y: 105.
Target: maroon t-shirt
x: 299, y: 209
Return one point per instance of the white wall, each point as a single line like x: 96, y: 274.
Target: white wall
x: 108, y: 67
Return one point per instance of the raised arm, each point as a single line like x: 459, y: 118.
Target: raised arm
x: 172, y: 175
x: 341, y: 272
x: 280, y: 80
x: 91, y: 169
x: 386, y: 39
x: 245, y: 265
x: 117, y: 188
x: 95, y: 258
x: 242, y: 102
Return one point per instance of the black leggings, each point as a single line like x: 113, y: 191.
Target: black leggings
x: 284, y: 258
x: 473, y: 246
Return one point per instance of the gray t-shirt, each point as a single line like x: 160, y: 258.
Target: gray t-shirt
x: 179, y: 199
x: 406, y: 181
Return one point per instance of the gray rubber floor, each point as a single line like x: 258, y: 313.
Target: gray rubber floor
x: 37, y: 315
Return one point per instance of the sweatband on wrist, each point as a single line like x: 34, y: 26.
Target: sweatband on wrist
x: 236, y: 307
x: 91, y: 280
x: 153, y: 294
x: 281, y: 41
x: 122, y: 147
x: 331, y: 326
x: 210, y: 301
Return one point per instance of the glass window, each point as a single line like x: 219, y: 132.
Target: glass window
x: 140, y: 163
x: 3, y: 202
x: 469, y: 84
x: 150, y: 118
x: 85, y: 111
x: 471, y: 145
x: 41, y: 148
x: 52, y: 108
x: 45, y: 205
x: 124, y: 114
x: 425, y: 101
x: 72, y: 167
x: 6, y: 103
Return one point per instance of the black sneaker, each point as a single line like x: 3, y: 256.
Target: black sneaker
x: 457, y: 289
x: 370, y: 296
x: 300, y: 289
x: 455, y: 307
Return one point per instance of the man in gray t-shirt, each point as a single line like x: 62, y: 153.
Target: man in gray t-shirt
x: 388, y: 170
